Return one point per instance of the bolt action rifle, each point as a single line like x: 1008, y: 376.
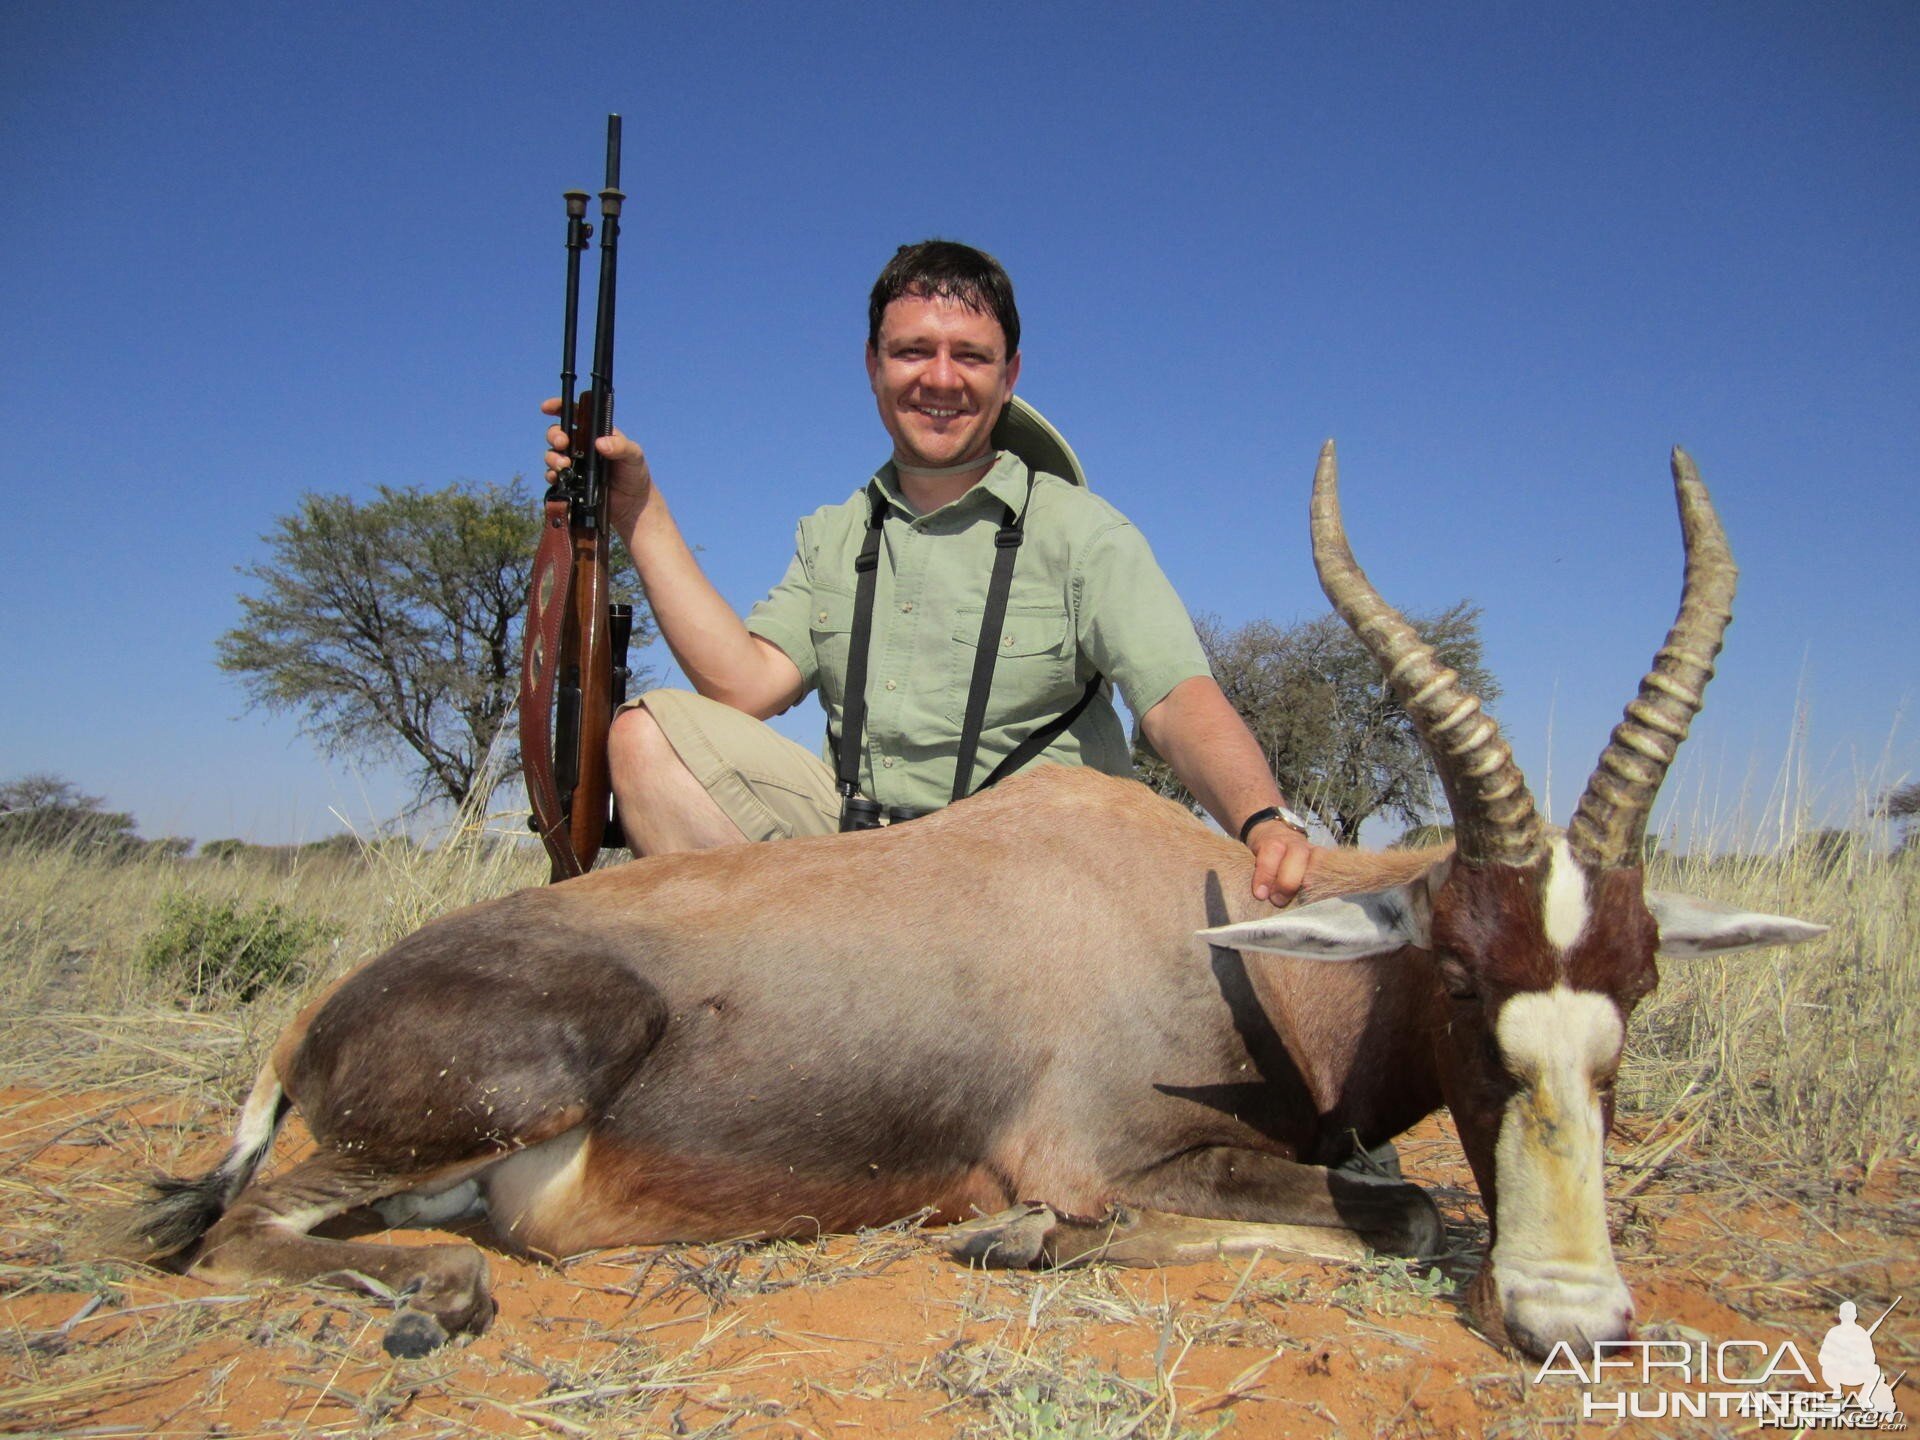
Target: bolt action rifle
x: 574, y: 661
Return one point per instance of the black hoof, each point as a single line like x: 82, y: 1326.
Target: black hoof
x: 1418, y: 1232
x: 1382, y: 1162
x: 414, y: 1333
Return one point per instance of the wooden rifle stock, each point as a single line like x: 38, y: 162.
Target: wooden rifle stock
x: 573, y: 661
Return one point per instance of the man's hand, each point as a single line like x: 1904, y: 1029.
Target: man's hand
x: 629, y: 481
x: 1208, y: 745
x: 1280, y: 858
x: 720, y: 657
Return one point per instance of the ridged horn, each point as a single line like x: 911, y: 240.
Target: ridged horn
x: 1494, y: 819
x: 1610, y: 822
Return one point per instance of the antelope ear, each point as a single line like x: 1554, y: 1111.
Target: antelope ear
x: 1346, y: 927
x: 1690, y: 927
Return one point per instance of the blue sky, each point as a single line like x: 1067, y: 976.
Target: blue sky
x: 1507, y: 254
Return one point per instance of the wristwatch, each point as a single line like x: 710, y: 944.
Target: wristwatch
x: 1272, y: 812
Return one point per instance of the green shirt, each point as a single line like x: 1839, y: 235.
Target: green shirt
x: 1087, y: 599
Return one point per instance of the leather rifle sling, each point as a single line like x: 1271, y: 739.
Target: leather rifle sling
x: 548, y: 599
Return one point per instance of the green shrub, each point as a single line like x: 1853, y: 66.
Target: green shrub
x: 218, y: 948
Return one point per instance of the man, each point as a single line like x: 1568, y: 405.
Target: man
x: 1847, y: 1361
x: 1086, y: 606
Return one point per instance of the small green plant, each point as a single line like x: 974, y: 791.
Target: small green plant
x: 217, y: 948
x: 1020, y: 1394
x: 1033, y: 1414
x: 1392, y: 1286
x: 1085, y: 1406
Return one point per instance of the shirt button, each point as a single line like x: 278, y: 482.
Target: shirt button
x: 907, y: 609
x: 1006, y: 640
x: 888, y: 762
x: 889, y: 684
x: 823, y: 617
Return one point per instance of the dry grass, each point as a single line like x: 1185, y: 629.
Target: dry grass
x: 78, y: 1010
x: 1810, y: 1056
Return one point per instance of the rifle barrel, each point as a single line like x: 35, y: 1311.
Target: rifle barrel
x: 1884, y: 1313
x: 578, y: 232
x: 610, y: 199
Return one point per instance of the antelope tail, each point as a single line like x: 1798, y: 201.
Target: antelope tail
x: 178, y: 1212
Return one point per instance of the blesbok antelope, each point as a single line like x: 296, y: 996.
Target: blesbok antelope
x: 1003, y: 1010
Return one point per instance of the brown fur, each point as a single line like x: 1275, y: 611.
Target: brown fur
x: 1616, y: 954
x: 1349, y: 872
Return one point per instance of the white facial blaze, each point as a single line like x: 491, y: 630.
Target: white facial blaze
x: 1552, y: 1261
x: 1564, y: 897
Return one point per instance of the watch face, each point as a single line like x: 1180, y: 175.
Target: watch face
x: 1286, y: 817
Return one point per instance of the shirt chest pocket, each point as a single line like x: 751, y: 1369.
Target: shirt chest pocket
x: 1032, y: 666
x: 831, y: 624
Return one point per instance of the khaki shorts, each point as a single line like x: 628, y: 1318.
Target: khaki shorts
x: 763, y: 782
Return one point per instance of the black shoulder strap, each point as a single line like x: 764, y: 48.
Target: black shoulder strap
x: 1044, y: 736
x: 853, y: 712
x: 1006, y: 542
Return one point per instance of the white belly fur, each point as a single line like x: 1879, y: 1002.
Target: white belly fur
x: 530, y: 1194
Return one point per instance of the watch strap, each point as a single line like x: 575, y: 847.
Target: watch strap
x: 1272, y: 812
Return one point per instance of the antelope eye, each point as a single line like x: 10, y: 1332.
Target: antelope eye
x: 1455, y: 975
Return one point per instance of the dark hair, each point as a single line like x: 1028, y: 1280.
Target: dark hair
x: 946, y: 269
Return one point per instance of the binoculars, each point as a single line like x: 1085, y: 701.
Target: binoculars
x: 857, y: 812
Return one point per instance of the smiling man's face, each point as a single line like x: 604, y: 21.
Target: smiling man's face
x: 940, y: 373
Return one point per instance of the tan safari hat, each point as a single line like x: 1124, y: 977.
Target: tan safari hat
x: 1025, y: 431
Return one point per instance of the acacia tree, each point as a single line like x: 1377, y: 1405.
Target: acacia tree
x: 391, y: 627
x: 1903, y: 804
x: 42, y: 811
x: 1341, y: 746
